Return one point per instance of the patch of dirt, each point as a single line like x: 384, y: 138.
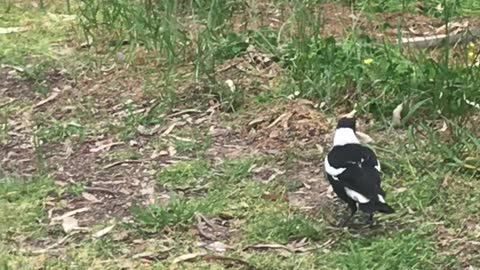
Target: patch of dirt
x: 285, y: 123
x: 337, y: 19
x: 459, y: 244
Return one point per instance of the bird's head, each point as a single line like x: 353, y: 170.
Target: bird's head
x: 347, y: 121
x: 345, y: 132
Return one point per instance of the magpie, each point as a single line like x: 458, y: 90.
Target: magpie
x: 354, y: 172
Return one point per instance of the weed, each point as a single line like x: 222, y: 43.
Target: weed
x: 59, y: 131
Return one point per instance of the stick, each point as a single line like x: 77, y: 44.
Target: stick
x: 436, y: 40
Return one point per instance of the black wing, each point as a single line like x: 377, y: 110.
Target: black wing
x: 361, y: 172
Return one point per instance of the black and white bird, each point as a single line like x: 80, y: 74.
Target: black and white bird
x: 354, y: 172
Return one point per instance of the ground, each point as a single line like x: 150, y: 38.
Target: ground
x: 208, y: 154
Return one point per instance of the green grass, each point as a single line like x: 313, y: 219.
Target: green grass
x: 430, y: 163
x: 22, y: 206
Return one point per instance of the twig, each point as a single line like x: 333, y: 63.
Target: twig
x: 269, y: 246
x: 184, y: 112
x: 208, y: 257
x: 8, y: 103
x: 99, y: 189
x: 71, y: 213
x: 53, y: 96
x: 168, y: 130
x: 122, y: 162
x: 19, y: 69
x: 213, y: 257
x: 207, y: 221
x: 105, y: 146
x: 436, y: 40
x: 283, y: 115
x: 201, y: 231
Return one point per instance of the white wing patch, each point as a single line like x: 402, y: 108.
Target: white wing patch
x: 378, y: 166
x: 356, y: 196
x: 334, y: 172
x: 381, y: 199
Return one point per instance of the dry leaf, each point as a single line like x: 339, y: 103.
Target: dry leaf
x: 283, y: 115
x: 169, y: 129
x: 256, y: 121
x: 231, y: 85
x: 52, y: 96
x: 188, y: 257
x: 9, y: 30
x: 218, y: 247
x: 103, y: 231
x: 397, y: 115
x: 61, y: 17
x: 106, y: 146
x: 69, y: 224
x: 270, y: 246
x: 172, y: 151
x: 90, y: 197
x: 363, y: 138
x: 71, y: 213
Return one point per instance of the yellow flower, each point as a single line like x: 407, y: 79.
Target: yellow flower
x: 471, y: 45
x: 471, y: 55
x: 368, y: 61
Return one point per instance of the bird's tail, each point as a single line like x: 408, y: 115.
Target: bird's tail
x: 384, y: 208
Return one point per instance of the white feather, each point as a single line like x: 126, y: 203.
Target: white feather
x: 344, y: 136
x: 381, y: 199
x: 334, y: 172
x: 356, y: 196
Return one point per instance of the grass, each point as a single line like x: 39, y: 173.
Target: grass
x: 150, y: 60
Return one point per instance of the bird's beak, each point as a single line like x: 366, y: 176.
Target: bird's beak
x: 350, y: 114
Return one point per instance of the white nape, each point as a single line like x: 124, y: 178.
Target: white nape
x: 356, y: 196
x: 333, y: 172
x: 345, y: 136
x: 381, y: 199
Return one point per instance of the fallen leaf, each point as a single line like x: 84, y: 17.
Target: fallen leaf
x: 151, y: 256
x: 103, y: 231
x: 256, y: 121
x: 90, y: 197
x: 397, y: 115
x: 105, y: 146
x: 363, y: 138
x: 172, y: 151
x: 276, y: 121
x: 269, y: 246
x: 188, y: 257
x: 52, y: 96
x: 71, y: 213
x: 69, y: 224
x: 230, y: 85
x: 121, y: 236
x: 218, y: 247
x: 9, y: 30
x: 61, y: 17
x: 168, y: 130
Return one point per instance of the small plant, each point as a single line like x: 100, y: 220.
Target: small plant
x: 59, y: 131
x: 185, y: 174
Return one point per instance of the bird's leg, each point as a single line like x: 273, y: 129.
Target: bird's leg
x: 370, y: 220
x: 349, y: 217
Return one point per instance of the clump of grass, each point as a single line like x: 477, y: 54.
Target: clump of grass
x: 185, y: 174
x: 22, y: 209
x: 59, y: 131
